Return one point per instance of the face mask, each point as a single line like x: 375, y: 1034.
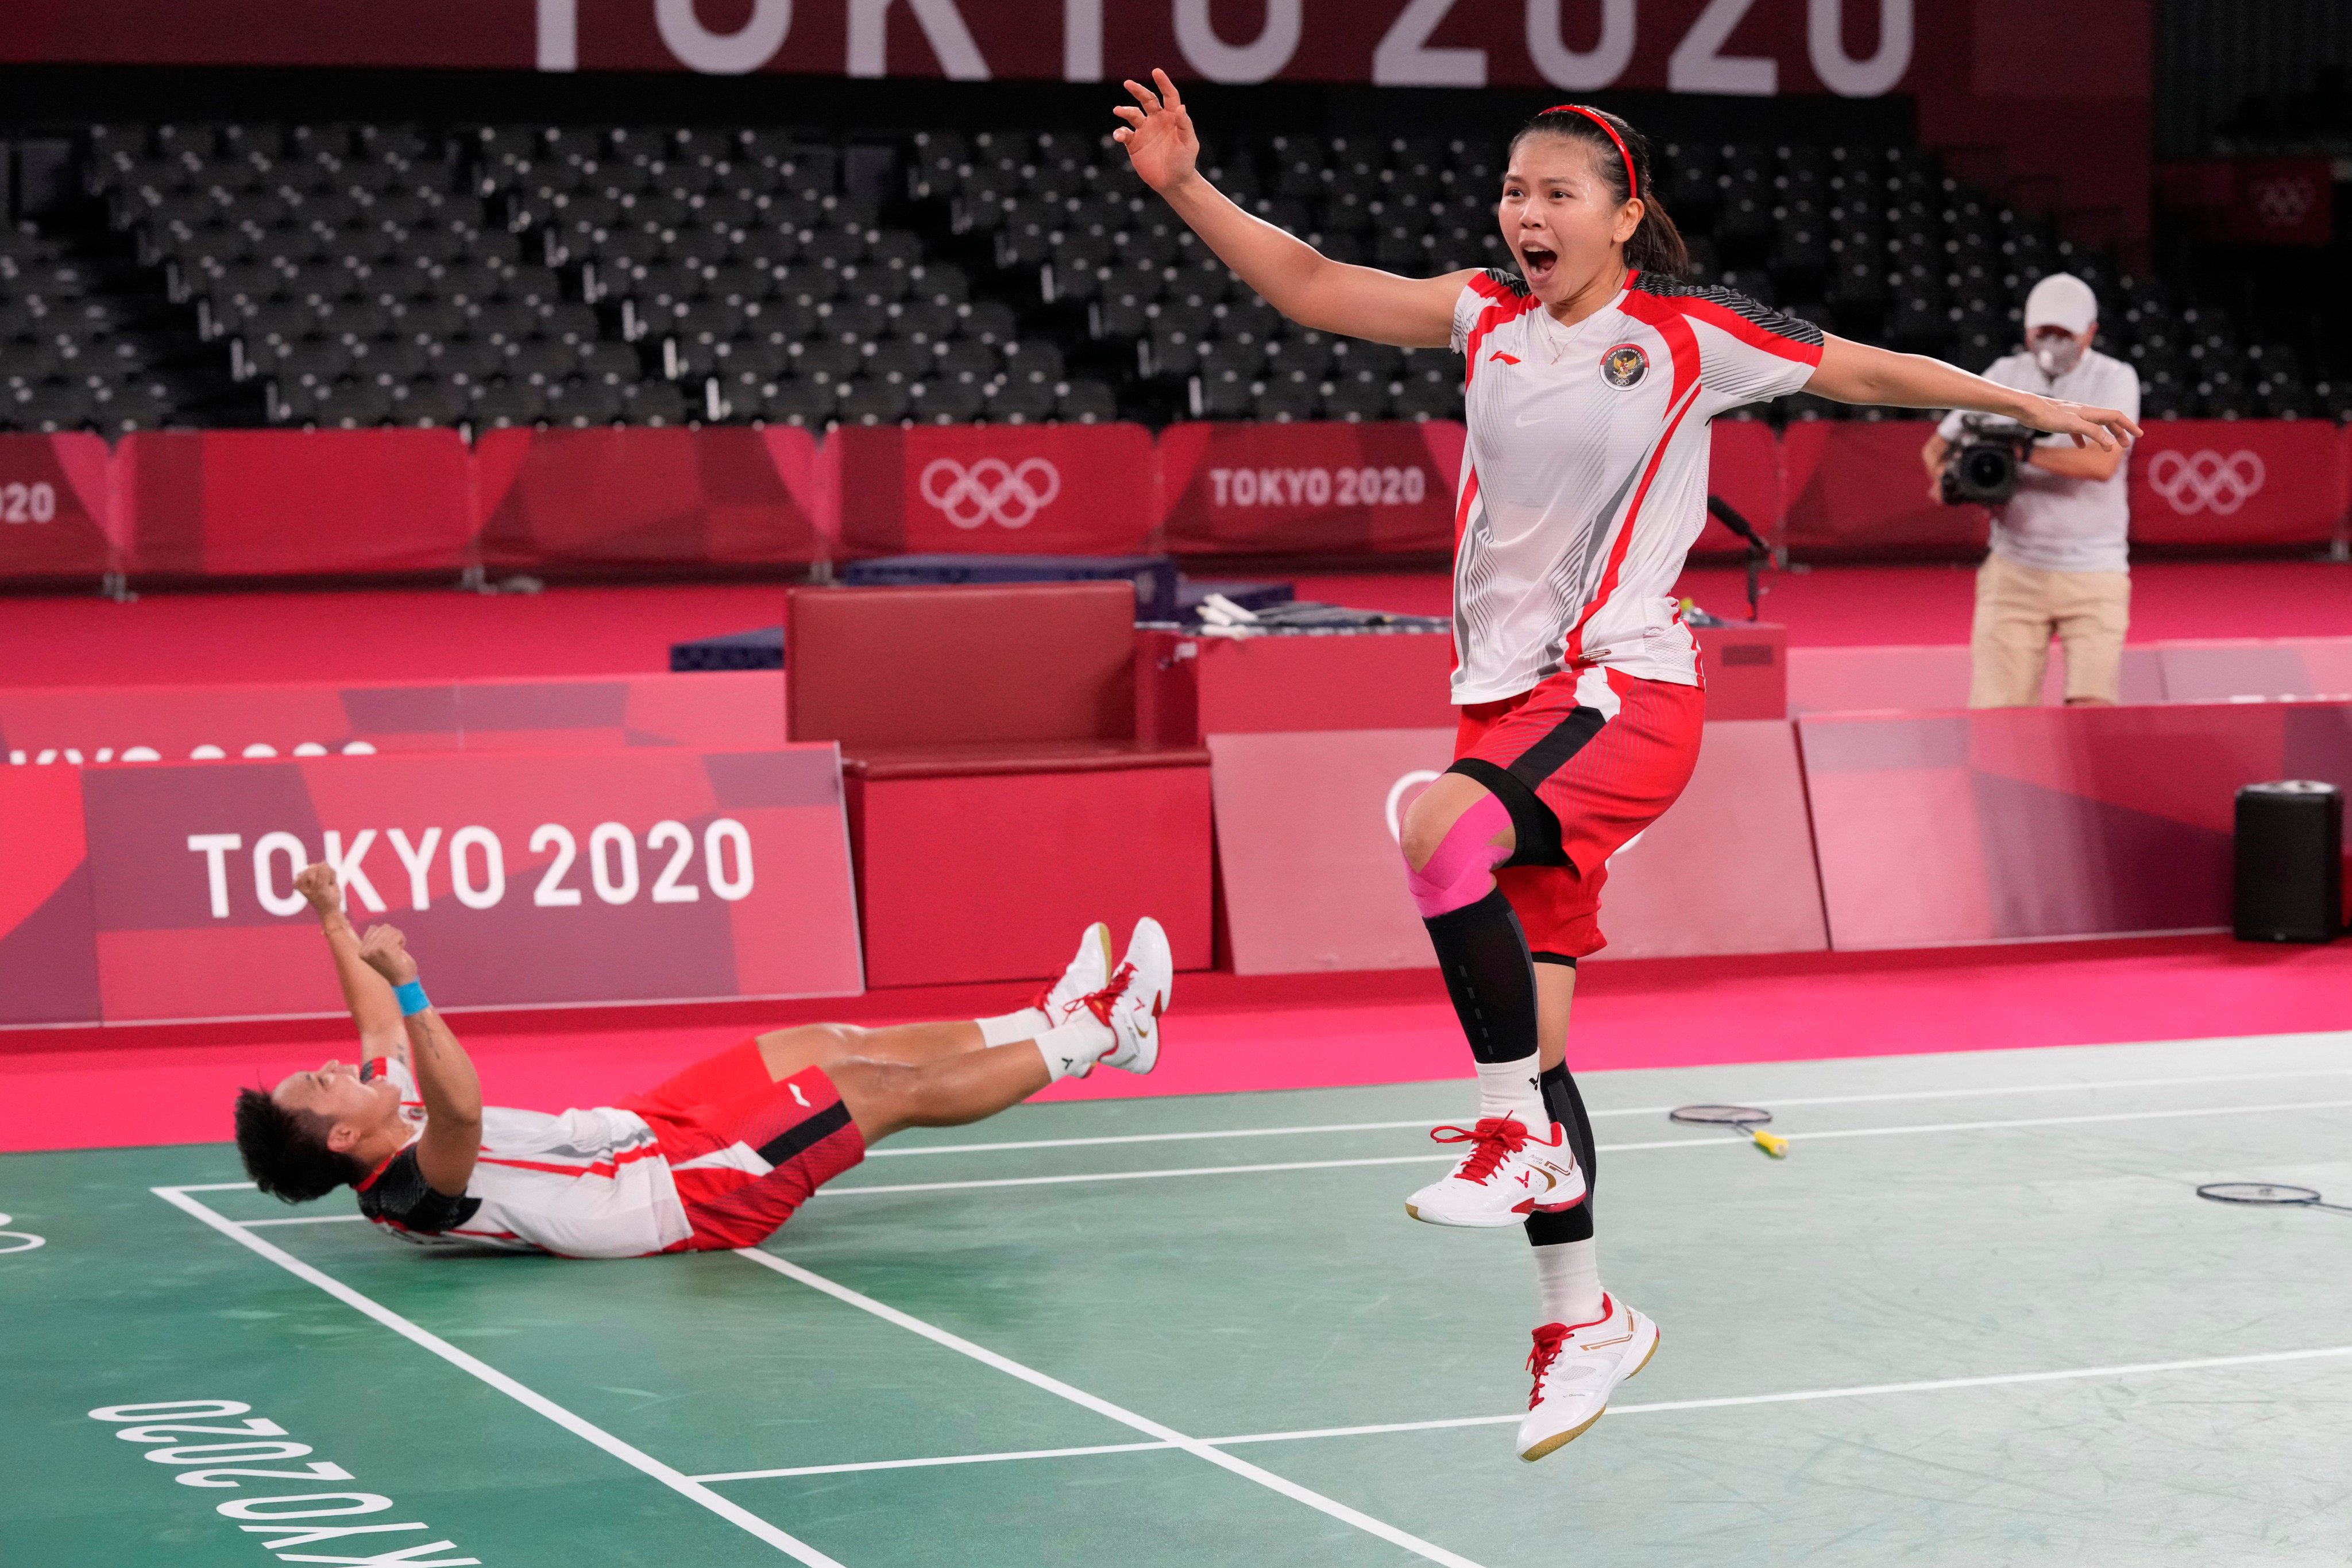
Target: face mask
x: 2056, y: 355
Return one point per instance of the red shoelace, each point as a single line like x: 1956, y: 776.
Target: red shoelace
x: 1549, y: 1340
x: 1103, y: 1001
x: 1494, y: 1136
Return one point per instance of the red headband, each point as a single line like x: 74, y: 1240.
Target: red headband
x: 1633, y: 185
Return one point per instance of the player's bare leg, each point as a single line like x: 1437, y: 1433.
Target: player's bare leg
x: 1119, y: 1025
x: 885, y: 1097
x: 787, y: 1051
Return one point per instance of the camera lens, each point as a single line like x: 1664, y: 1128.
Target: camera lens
x: 1987, y: 469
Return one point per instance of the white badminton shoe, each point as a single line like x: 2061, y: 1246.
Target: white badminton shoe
x: 1577, y: 1368
x: 1087, y: 973
x: 1508, y: 1174
x: 1136, y: 997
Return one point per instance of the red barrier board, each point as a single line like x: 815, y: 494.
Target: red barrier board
x: 2046, y: 822
x: 1858, y: 488
x: 989, y: 876
x: 56, y: 513
x: 1744, y: 469
x: 49, y: 953
x: 539, y: 880
x: 2236, y: 670
x: 1307, y: 848
x: 1730, y: 868
x: 1931, y: 676
x: 995, y: 489
x: 1292, y: 489
x: 2224, y: 482
x: 719, y: 710
x: 644, y: 496
x: 1189, y: 687
x: 238, y: 503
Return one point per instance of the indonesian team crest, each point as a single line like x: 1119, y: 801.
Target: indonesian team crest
x: 1625, y: 365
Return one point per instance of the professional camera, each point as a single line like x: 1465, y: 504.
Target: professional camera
x: 1984, y: 463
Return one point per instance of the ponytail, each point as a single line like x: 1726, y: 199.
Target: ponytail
x: 1623, y: 161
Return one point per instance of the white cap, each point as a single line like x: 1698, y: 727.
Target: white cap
x: 2061, y: 300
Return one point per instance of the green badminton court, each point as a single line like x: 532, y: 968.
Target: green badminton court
x: 1979, y: 1315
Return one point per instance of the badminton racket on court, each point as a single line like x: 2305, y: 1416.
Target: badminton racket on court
x: 1746, y: 1119
x: 2264, y: 1194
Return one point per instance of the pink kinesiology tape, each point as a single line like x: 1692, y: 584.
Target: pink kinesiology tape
x: 1462, y: 871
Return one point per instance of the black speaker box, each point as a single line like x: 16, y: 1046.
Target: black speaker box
x: 2290, y: 854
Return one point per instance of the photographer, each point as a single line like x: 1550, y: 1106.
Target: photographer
x: 2058, y: 565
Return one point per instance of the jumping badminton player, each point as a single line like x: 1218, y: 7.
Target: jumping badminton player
x: 718, y: 1156
x: 1591, y: 375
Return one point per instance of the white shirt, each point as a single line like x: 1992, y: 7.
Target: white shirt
x: 1584, y: 482
x: 2053, y: 522
x: 586, y: 1183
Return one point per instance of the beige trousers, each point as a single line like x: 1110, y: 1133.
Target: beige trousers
x: 2020, y: 608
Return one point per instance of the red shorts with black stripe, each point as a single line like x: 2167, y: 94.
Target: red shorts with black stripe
x: 1607, y: 753
x: 745, y: 1162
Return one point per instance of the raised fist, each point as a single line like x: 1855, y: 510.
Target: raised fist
x: 317, y: 883
x: 385, y: 951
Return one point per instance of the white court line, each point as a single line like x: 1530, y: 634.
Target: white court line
x: 1424, y: 1121
x: 927, y: 1464
x: 1908, y: 1128
x: 1102, y: 1406
x: 1860, y: 1391
x: 303, y: 1219
x: 733, y: 1513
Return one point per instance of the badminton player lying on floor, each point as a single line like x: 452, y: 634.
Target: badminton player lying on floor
x: 718, y: 1156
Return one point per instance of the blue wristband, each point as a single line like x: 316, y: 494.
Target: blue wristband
x: 410, y: 998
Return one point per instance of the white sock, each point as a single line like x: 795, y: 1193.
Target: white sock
x: 1568, y: 1279
x: 1075, y: 1045
x: 1026, y: 1025
x: 1512, y: 1088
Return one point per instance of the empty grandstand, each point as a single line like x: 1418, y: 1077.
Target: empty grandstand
x: 338, y: 273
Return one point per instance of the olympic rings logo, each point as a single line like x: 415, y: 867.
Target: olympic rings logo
x: 2206, y: 480
x: 1421, y: 776
x: 991, y: 490
x: 16, y: 1240
x: 2283, y: 202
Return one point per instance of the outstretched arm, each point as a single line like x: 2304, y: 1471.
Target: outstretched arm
x: 1290, y: 274
x: 444, y: 1074
x: 1855, y: 372
x: 374, y: 1014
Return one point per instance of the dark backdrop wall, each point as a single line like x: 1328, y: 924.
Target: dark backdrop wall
x: 2252, y: 75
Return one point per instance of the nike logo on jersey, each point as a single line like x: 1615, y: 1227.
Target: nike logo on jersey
x: 1522, y: 421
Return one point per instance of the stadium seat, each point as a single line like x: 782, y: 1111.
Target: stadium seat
x: 252, y: 266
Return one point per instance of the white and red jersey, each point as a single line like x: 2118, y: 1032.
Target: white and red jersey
x: 1584, y: 482
x: 584, y: 1183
